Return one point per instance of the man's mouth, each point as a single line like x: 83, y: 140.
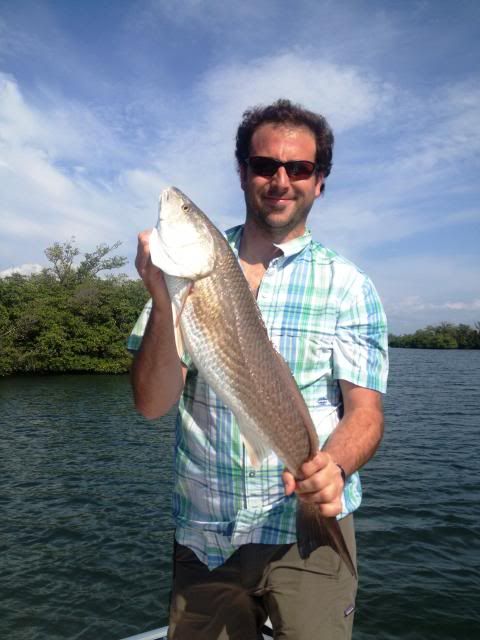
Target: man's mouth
x: 277, y: 203
x: 277, y: 198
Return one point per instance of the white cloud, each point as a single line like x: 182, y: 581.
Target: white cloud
x: 354, y: 224
x: 414, y: 304
x: 346, y: 95
x: 463, y: 306
x: 94, y: 170
x: 65, y: 131
x: 409, y: 314
x: 49, y: 130
x: 418, y: 290
x: 418, y: 178
x: 23, y: 269
x: 444, y: 129
x: 54, y: 151
x: 197, y: 155
x: 48, y: 179
x: 428, y: 277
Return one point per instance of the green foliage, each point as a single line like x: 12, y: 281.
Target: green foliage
x: 62, y: 256
x: 443, y: 336
x: 63, y: 269
x: 67, y: 318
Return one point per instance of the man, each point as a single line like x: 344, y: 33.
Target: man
x: 236, y: 558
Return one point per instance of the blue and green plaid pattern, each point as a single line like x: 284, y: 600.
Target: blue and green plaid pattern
x: 324, y: 316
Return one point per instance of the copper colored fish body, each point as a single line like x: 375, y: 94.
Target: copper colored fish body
x: 221, y: 328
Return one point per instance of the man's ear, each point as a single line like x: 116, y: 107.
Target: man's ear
x: 243, y: 175
x: 320, y: 185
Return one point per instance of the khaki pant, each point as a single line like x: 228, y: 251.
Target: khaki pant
x: 311, y: 599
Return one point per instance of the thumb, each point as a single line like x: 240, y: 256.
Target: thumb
x: 289, y: 482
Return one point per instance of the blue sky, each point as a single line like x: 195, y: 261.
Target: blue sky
x: 104, y: 103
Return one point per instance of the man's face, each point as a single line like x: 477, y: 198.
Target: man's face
x: 277, y: 203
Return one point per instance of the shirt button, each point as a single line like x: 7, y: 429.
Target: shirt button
x: 252, y: 474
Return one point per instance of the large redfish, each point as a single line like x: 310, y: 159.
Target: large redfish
x: 221, y: 328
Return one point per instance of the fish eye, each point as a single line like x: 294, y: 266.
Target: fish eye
x: 185, y: 207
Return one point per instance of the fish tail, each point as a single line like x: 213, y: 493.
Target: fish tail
x: 314, y: 530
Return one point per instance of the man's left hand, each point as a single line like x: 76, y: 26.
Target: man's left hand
x: 321, y: 484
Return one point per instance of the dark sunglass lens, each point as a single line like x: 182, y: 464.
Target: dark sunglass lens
x: 267, y: 167
x: 263, y: 166
x: 299, y: 169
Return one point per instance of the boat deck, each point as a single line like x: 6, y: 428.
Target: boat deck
x: 161, y: 634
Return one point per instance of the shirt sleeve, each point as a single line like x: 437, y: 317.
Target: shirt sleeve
x: 360, y: 348
x: 135, y: 338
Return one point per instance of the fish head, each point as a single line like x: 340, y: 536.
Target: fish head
x: 181, y: 244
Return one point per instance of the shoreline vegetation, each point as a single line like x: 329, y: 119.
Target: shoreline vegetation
x: 442, y: 336
x: 69, y: 318
x: 75, y: 318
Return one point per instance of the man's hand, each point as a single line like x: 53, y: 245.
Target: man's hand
x: 151, y: 275
x: 157, y: 373
x: 321, y: 484
x: 352, y: 443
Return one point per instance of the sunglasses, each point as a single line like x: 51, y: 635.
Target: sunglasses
x: 268, y: 167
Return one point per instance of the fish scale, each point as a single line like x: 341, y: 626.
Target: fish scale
x: 235, y: 355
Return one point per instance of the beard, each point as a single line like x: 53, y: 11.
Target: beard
x: 276, y: 221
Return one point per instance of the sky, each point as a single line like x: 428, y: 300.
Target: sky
x: 105, y: 103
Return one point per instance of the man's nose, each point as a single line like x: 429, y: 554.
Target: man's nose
x: 280, y: 178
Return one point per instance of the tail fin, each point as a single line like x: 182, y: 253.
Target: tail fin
x: 314, y: 530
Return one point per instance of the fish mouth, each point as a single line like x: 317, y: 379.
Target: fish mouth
x: 166, y: 201
x: 170, y: 194
x: 164, y: 196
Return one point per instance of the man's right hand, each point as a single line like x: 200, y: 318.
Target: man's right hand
x: 151, y: 275
x: 157, y: 373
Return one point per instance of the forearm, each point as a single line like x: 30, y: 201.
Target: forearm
x: 157, y: 374
x: 356, y: 437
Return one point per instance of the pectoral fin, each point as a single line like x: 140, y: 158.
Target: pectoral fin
x: 177, y: 329
x: 177, y: 310
x: 183, y: 300
x: 257, y: 450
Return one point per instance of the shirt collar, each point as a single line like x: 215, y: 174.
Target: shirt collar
x: 290, y: 248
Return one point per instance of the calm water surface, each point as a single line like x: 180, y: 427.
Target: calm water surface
x: 85, y: 532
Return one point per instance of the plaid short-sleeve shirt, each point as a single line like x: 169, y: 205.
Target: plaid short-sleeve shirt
x: 324, y: 316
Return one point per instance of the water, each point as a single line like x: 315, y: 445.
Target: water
x: 85, y: 531
x: 419, y: 525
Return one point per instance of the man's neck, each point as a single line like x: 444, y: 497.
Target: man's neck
x: 257, y: 245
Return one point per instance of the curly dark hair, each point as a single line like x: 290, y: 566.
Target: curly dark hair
x: 287, y: 113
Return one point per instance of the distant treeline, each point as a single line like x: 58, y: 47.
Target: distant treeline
x: 67, y: 318
x: 443, y: 336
